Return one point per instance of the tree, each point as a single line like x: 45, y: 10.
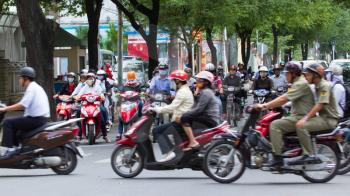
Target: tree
x: 93, y: 11
x: 136, y: 13
x: 111, y: 41
x: 82, y: 33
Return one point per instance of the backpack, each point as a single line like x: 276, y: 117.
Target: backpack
x: 346, y: 109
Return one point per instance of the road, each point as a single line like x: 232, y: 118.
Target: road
x: 94, y: 176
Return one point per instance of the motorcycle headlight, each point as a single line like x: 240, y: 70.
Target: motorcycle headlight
x: 158, y: 97
x: 97, y: 111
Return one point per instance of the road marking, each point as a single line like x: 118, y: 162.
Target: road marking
x: 103, y: 161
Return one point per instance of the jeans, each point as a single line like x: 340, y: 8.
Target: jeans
x: 12, y: 125
x: 160, y: 134
x: 104, y: 119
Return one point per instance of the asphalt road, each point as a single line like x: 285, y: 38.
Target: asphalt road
x: 94, y: 176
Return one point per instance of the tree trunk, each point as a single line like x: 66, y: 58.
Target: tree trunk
x: 93, y: 11
x: 245, y: 46
x: 275, y: 44
x: 209, y: 38
x: 304, y: 50
x: 39, y: 41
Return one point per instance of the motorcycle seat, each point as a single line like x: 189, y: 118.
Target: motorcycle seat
x: 29, y: 134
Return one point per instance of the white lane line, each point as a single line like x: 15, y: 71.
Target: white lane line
x: 103, y: 161
x: 98, y: 145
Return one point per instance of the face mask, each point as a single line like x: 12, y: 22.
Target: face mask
x: 70, y: 80
x: 90, y: 82
x: 263, y: 74
x: 163, y: 72
x: 101, y: 77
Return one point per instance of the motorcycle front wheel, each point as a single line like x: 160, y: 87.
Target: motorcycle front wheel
x: 223, y: 162
x: 125, y: 164
x: 329, y: 165
x: 91, y: 135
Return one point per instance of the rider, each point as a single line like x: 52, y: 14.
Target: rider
x: 205, y: 109
x: 92, y: 88
x: 131, y: 84
x: 334, y: 74
x: 191, y: 82
x: 217, y: 83
x: 302, y: 99
x: 36, y: 111
x: 182, y: 103
x: 107, y: 90
x: 278, y: 79
x: 83, y: 74
x: 221, y: 73
x: 69, y: 87
x: 162, y: 82
x: 263, y: 81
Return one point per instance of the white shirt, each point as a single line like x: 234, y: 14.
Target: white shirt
x: 78, y: 88
x: 35, y: 101
x: 95, y: 90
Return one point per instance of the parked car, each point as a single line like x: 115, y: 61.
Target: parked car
x: 345, y: 63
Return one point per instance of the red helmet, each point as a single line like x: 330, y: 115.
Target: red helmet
x: 178, y: 74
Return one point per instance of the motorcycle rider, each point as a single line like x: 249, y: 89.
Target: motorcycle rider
x: 221, y: 73
x: 83, y: 75
x: 162, y: 82
x: 191, y: 82
x: 278, y: 79
x: 182, y: 103
x: 69, y: 87
x: 263, y: 81
x: 36, y: 111
x: 131, y: 84
x: 217, y: 83
x: 302, y: 100
x: 92, y: 88
x: 107, y: 90
x: 334, y: 74
x: 205, y: 110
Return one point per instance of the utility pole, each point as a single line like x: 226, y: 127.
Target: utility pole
x: 120, y: 48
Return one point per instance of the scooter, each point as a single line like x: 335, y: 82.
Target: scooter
x: 233, y: 109
x: 50, y: 146
x: 230, y: 153
x: 64, y: 109
x: 129, y: 108
x: 135, y: 152
x: 160, y: 99
x: 91, y: 114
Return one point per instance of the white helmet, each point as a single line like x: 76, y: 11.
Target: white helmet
x: 263, y: 68
x: 209, y: 67
x: 336, y: 69
x: 206, y: 75
x: 101, y: 72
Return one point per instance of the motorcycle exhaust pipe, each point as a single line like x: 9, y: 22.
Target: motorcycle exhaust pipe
x: 48, y: 161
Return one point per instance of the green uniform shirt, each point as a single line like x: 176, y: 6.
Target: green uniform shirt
x: 301, y: 96
x: 324, y: 95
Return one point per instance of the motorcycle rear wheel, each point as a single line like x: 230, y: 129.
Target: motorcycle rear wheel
x: 71, y: 161
x: 120, y: 159
x: 215, y: 157
x: 327, y: 154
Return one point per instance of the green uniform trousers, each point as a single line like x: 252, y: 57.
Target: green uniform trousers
x: 288, y: 125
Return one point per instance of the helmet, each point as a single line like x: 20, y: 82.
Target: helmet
x: 163, y: 65
x: 220, y: 68
x: 84, y: 72
x: 276, y: 67
x: 188, y: 70
x: 233, y: 67
x: 71, y: 74
x: 206, y: 75
x: 101, y: 72
x: 131, y: 75
x: 263, y: 68
x: 282, y: 63
x: 210, y: 67
x: 336, y: 69
x: 315, y: 68
x: 27, y: 72
x: 178, y: 74
x: 293, y: 67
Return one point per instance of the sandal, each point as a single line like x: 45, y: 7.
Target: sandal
x: 192, y: 147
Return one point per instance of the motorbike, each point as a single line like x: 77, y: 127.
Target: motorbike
x: 160, y: 99
x: 233, y: 107
x: 65, y: 109
x: 50, y: 146
x: 135, y: 151
x: 91, y: 114
x: 230, y: 153
x: 129, y: 108
x: 261, y: 95
x: 344, y: 166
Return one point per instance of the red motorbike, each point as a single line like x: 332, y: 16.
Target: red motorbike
x: 231, y: 152
x: 135, y: 152
x: 90, y: 111
x: 129, y: 108
x: 64, y: 109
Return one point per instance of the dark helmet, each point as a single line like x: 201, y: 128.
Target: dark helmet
x: 27, y: 72
x: 293, y: 67
x: 163, y: 65
x: 315, y: 68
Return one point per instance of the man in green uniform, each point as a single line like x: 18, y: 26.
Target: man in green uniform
x: 323, y: 115
x: 302, y: 99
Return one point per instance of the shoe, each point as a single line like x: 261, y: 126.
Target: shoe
x: 168, y: 157
x: 106, y: 139
x: 277, y: 161
x: 8, y: 153
x: 305, y: 159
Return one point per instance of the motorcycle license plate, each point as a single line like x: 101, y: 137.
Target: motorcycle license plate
x: 80, y: 151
